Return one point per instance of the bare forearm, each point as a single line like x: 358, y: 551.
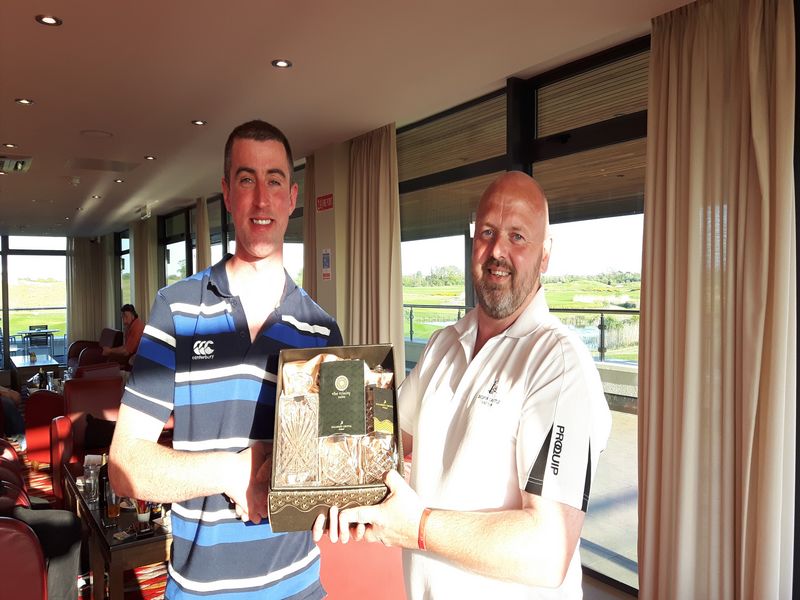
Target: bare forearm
x: 148, y: 471
x: 514, y: 545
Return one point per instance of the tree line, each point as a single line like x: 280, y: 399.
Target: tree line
x: 452, y: 275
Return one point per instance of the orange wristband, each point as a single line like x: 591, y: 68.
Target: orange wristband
x: 423, y: 520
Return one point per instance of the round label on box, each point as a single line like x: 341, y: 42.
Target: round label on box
x: 341, y: 383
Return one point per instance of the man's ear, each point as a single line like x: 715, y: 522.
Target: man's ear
x: 226, y: 194
x: 293, y: 191
x: 546, y: 246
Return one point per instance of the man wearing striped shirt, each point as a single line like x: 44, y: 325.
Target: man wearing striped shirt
x: 209, y: 356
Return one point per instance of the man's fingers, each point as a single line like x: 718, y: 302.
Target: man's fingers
x: 393, y: 480
x: 318, y: 530
x: 333, y: 525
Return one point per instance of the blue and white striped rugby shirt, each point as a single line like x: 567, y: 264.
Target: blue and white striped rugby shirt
x: 196, y: 360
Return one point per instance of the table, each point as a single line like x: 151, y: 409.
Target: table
x: 23, y: 368
x: 109, y: 555
x: 27, y: 333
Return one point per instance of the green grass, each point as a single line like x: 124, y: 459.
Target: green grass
x: 583, y: 293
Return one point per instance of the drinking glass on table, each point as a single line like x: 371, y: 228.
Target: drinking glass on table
x: 142, y: 511
x: 112, y: 504
x: 90, y: 483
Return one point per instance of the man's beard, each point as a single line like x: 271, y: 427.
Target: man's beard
x: 496, y: 300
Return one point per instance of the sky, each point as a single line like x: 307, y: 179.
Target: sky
x: 579, y: 248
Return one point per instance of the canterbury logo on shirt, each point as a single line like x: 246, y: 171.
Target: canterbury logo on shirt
x: 203, y: 350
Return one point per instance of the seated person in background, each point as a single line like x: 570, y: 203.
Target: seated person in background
x: 134, y: 327
x: 14, y: 423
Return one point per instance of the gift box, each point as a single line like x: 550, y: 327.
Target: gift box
x: 322, y: 428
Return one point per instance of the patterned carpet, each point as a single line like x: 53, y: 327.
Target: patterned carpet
x: 143, y: 583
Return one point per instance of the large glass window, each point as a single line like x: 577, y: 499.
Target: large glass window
x: 433, y: 285
x: 593, y: 284
x: 580, y: 129
x: 37, y: 297
x: 175, y: 261
x: 125, y: 267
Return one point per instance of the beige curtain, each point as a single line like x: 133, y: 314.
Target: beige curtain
x: 310, y: 230
x: 202, y: 236
x: 376, y: 294
x: 88, y: 288
x: 718, y: 332
x: 144, y: 265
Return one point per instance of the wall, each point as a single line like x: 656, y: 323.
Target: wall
x: 332, y: 176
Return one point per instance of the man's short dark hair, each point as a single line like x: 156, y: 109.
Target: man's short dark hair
x: 260, y: 131
x: 129, y: 308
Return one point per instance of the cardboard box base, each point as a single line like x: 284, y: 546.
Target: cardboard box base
x: 297, y: 510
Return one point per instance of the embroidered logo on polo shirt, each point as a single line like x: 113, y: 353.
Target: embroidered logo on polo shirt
x: 489, y: 398
x: 203, y: 350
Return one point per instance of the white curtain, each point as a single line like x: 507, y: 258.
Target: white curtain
x: 88, y: 289
x: 202, y: 236
x: 376, y: 287
x: 718, y: 332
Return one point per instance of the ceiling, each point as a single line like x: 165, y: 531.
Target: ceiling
x: 141, y: 71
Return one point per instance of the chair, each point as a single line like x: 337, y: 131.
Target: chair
x: 91, y: 355
x: 98, y: 371
x: 98, y: 397
x: 61, y: 456
x: 40, y: 408
x: 108, y: 337
x: 40, y: 340
x: 23, y: 575
x: 7, y: 450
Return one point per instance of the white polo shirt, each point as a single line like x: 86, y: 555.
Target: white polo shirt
x: 527, y: 413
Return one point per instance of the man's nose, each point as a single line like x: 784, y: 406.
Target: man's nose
x: 497, y: 247
x: 262, y: 195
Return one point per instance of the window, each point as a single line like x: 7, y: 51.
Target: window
x: 580, y: 129
x: 124, y: 253
x: 595, y: 266
x: 37, y: 296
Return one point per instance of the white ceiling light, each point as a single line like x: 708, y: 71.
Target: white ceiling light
x: 282, y: 63
x: 49, y: 20
x: 149, y: 157
x: 199, y: 122
x: 24, y: 101
x: 10, y: 145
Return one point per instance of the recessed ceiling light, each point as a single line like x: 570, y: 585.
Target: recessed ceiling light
x: 199, y: 122
x: 281, y: 63
x: 119, y: 181
x: 66, y: 218
x: 49, y: 20
x: 149, y: 157
x: 26, y: 101
x: 2, y: 172
x: 96, y: 196
x: 97, y: 134
x: 10, y: 145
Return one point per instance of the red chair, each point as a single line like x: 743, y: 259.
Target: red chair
x: 98, y: 371
x: 23, y: 575
x: 40, y: 408
x: 108, y: 337
x: 7, y: 450
x: 11, y: 472
x: 62, y: 456
x: 97, y: 397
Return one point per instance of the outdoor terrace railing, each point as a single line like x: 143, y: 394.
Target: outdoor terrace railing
x: 603, y: 330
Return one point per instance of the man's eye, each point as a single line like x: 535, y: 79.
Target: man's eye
x: 274, y: 182
x: 517, y: 237
x: 246, y: 180
x: 487, y: 233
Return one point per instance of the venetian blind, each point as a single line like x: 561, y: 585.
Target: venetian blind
x: 615, y: 89
x: 467, y: 136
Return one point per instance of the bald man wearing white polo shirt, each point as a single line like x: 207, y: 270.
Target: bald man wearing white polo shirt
x: 506, y: 416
